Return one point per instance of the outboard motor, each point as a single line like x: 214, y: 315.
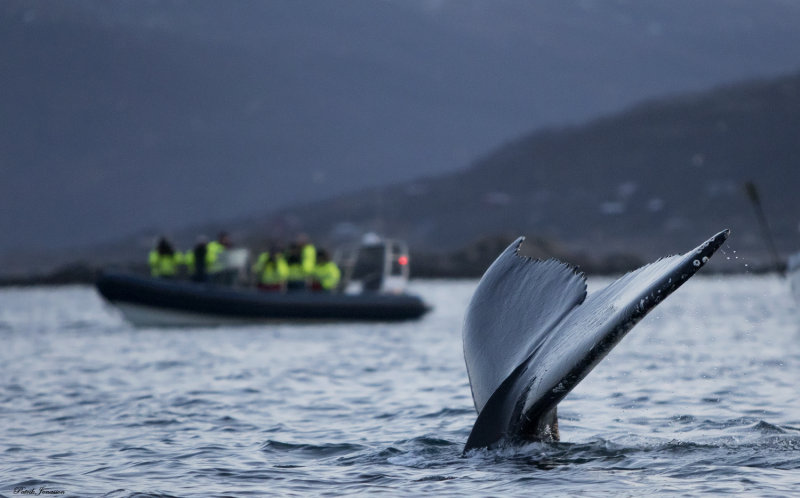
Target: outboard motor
x: 377, y: 265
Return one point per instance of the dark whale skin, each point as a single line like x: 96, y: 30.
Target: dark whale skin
x: 531, y: 334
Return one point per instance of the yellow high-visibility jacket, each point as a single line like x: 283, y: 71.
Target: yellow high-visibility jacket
x: 164, y: 265
x: 213, y: 250
x: 328, y: 275
x: 309, y: 258
x: 305, y: 268
x: 271, y: 270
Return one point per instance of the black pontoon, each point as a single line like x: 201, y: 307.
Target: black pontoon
x: 372, y: 290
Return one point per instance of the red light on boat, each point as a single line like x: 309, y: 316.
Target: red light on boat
x: 403, y: 260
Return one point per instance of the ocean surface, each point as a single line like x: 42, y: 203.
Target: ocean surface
x: 701, y: 397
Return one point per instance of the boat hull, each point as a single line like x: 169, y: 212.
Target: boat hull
x: 160, y: 302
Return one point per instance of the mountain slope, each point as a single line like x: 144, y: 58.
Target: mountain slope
x: 658, y: 176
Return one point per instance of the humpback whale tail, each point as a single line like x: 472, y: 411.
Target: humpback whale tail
x: 531, y: 334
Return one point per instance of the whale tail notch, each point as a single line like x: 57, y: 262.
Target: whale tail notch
x: 531, y: 334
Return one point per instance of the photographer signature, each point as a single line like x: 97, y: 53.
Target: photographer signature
x: 37, y: 492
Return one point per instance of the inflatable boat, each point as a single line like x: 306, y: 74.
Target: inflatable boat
x: 367, y: 294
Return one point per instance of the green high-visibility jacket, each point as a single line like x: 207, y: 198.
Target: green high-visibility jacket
x: 271, y: 270
x: 164, y: 265
x: 328, y: 275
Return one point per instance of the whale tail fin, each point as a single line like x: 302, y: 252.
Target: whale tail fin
x: 531, y: 334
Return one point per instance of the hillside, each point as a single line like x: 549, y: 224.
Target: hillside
x: 638, y: 185
x: 658, y: 177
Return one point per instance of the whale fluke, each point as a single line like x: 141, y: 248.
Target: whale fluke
x: 531, y: 334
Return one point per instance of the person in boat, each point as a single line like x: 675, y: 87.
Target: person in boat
x: 308, y: 253
x: 326, y: 273
x: 271, y: 270
x: 198, y: 260
x: 203, y: 261
x: 164, y: 260
x: 301, y: 258
x: 214, y: 249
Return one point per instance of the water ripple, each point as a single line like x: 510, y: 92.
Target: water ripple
x: 691, y: 402
x: 311, y: 450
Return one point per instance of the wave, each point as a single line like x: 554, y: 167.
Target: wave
x: 324, y: 450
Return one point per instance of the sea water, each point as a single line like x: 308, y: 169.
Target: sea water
x: 701, y: 397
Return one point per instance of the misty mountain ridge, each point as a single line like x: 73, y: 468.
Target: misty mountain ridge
x: 119, y: 116
x: 648, y: 181
x: 620, y: 190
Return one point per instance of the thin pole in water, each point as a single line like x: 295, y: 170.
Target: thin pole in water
x: 755, y: 199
